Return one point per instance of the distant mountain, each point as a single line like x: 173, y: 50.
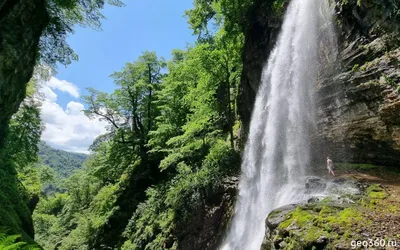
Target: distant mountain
x: 62, y: 162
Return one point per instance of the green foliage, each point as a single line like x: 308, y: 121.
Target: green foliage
x: 376, y: 192
x: 12, y: 242
x: 172, y: 205
x: 24, y: 133
x: 49, y: 228
x: 63, y: 16
x: 171, y: 132
x: 278, y: 7
x: 130, y: 111
x: 355, y: 166
x: 29, y: 178
x: 62, y: 162
x: 68, y: 214
x: 170, y: 143
x: 355, y: 68
x: 18, y: 189
x: 229, y: 15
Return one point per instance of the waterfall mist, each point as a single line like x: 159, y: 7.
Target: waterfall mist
x: 277, y: 154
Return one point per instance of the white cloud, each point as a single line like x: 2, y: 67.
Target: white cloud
x: 48, y: 93
x: 67, y: 129
x: 62, y: 85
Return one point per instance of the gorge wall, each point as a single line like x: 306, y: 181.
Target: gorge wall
x: 358, y: 103
x: 21, y: 25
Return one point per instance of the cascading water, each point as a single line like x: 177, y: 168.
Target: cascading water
x: 277, y: 153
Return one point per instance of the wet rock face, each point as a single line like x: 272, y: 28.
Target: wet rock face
x: 359, y: 102
x: 314, y: 184
x: 359, y: 106
x: 261, y: 33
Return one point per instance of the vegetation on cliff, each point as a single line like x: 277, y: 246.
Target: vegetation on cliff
x: 168, y: 147
x: 31, y: 32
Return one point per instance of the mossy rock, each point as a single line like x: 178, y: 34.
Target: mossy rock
x: 14, y: 213
x: 322, y: 222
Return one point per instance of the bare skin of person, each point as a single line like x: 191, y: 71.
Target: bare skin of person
x: 329, y: 166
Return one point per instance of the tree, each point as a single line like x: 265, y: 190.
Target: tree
x: 63, y: 16
x: 25, y: 131
x: 131, y: 109
x: 35, y: 31
x: 223, y: 62
x: 172, y: 105
x: 228, y: 15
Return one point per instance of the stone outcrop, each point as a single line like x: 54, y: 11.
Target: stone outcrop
x: 337, y: 221
x: 261, y: 32
x: 359, y: 107
x: 359, y: 103
x: 211, y: 222
x: 21, y: 25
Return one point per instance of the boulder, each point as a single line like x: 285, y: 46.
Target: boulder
x: 314, y: 184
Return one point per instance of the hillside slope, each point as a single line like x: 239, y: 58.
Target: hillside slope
x: 62, y: 162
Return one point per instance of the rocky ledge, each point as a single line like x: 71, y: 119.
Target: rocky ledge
x: 337, y: 221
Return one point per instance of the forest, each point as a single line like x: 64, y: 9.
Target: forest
x: 172, y: 139
x: 165, y: 173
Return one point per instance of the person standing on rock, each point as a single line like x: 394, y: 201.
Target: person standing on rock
x: 329, y: 165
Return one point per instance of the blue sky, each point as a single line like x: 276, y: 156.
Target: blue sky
x: 154, y: 25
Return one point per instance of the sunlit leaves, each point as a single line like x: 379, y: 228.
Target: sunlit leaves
x: 64, y: 15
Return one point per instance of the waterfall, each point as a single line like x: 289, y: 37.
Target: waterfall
x: 277, y: 154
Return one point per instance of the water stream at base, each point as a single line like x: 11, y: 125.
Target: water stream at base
x: 277, y: 153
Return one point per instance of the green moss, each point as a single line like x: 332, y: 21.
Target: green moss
x: 355, y: 68
x: 305, y: 226
x: 314, y: 233
x: 375, y: 191
x: 300, y: 217
x: 293, y: 245
x: 14, y: 212
x: 390, y: 81
x: 278, y: 7
x: 327, y: 210
x: 274, y: 213
x: 349, y: 216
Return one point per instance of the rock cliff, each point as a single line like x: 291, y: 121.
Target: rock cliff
x: 359, y: 103
x: 212, y: 219
x: 21, y: 25
x: 359, y: 106
x: 261, y: 31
